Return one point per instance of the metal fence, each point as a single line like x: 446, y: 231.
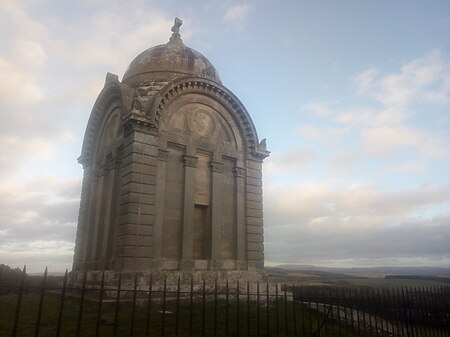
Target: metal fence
x: 219, y: 309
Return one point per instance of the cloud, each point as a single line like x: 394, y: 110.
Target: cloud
x: 237, y: 13
x: 316, y: 221
x: 297, y: 160
x: 391, y: 117
x: 323, y: 134
x: 381, y: 139
x: 410, y: 84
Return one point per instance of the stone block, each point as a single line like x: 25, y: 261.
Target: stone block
x: 129, y: 263
x: 255, y: 205
x: 131, y: 251
x: 254, y: 189
x: 256, y: 165
x: 139, y: 168
x: 255, y: 246
x: 143, y: 199
x: 256, y: 264
x: 254, y: 213
x: 130, y: 229
x: 138, y: 188
x: 252, y: 173
x: 255, y: 229
x: 254, y: 197
x: 140, y: 148
x: 254, y: 221
x: 141, y: 137
x: 168, y: 264
x: 139, y: 178
x: 148, y: 159
x: 133, y: 218
x: 255, y: 256
x: 130, y: 240
x: 137, y: 209
x: 254, y: 182
x: 258, y: 238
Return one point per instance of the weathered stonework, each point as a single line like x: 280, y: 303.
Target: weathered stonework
x: 172, y: 173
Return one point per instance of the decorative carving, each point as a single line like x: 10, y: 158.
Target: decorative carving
x: 200, y: 122
x: 190, y: 161
x: 263, y: 144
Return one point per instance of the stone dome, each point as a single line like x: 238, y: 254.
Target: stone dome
x: 169, y: 61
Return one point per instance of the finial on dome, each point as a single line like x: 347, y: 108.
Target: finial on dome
x: 176, y: 26
x: 176, y: 37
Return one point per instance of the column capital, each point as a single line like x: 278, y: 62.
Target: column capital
x: 239, y: 172
x: 216, y: 166
x: 190, y: 161
x: 163, y: 154
x: 138, y: 122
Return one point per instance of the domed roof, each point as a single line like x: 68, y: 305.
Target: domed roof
x: 166, y: 61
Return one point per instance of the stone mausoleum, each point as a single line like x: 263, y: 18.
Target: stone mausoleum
x: 172, y: 172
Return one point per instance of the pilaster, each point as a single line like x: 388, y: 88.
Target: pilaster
x: 190, y: 163
x: 254, y: 215
x: 137, y: 195
x: 216, y: 211
x: 240, y: 217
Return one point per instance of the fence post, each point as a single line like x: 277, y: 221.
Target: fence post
x: 203, y: 307
x: 100, y: 301
x: 215, y: 306
x: 149, y: 306
x: 177, y: 317
x: 163, y: 316
x: 61, y: 305
x: 294, y: 311
x: 285, y: 311
x: 267, y: 309
x: 116, y: 314
x: 258, y: 318
x: 41, y: 303
x: 248, y: 309
x: 191, y: 294
x: 80, y: 309
x: 133, y: 308
x: 19, y: 301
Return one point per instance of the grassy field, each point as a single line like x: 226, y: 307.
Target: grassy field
x: 381, y: 282
x: 243, y: 316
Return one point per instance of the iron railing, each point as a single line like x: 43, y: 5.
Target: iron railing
x: 218, y: 309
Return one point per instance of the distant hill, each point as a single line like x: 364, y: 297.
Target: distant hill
x: 380, y: 272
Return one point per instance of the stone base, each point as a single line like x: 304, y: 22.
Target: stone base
x: 93, y: 278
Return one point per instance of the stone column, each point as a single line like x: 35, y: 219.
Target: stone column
x: 240, y: 218
x: 216, y: 210
x: 159, y: 204
x: 188, y: 210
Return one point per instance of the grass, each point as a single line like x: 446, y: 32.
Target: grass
x: 243, y: 316
x: 396, y: 283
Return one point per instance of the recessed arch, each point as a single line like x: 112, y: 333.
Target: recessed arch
x: 214, y: 90
x: 111, y: 95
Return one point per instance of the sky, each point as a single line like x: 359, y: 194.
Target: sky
x: 353, y: 98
